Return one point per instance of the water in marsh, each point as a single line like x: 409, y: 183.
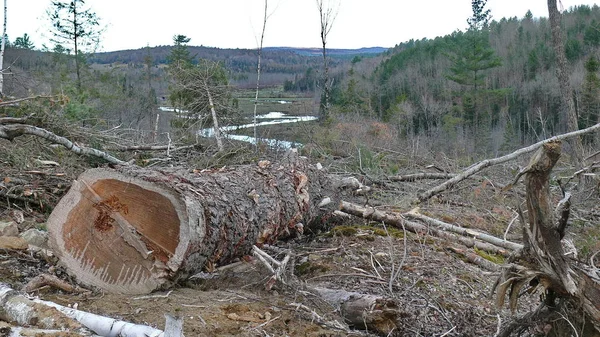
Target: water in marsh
x: 270, y: 112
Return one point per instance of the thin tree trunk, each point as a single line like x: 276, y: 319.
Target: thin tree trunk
x: 568, y: 115
x: 75, y: 34
x: 2, y: 47
x: 327, y: 16
x: 133, y: 230
x: 262, y: 36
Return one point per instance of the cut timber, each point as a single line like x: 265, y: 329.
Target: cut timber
x: 133, y: 230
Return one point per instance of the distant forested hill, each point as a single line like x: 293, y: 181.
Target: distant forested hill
x: 491, y: 90
x: 276, y: 59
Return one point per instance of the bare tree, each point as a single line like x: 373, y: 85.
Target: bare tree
x: 2, y: 46
x: 567, y: 112
x: 327, y: 14
x: 262, y: 37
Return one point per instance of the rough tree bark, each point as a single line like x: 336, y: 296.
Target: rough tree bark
x: 133, y: 230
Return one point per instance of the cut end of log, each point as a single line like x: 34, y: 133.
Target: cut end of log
x: 119, y: 233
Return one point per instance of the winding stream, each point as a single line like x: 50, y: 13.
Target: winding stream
x: 273, y: 119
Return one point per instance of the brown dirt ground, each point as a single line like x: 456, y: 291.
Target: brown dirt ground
x: 436, y: 290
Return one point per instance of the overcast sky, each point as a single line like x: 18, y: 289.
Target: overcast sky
x: 133, y: 24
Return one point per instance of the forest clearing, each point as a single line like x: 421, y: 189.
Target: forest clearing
x: 442, y: 187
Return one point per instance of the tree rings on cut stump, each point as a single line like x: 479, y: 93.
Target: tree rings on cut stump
x: 120, y: 233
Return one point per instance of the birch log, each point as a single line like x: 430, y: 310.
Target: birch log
x: 133, y: 230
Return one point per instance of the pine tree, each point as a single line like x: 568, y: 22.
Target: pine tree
x: 590, y: 103
x: 179, y: 59
x: 471, y: 58
x: 24, y: 42
x: 75, y: 28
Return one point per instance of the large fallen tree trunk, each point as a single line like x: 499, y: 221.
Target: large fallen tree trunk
x: 132, y: 230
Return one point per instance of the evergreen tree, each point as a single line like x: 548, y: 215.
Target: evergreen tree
x: 481, y: 17
x: 24, y: 42
x: 179, y: 59
x: 180, y: 54
x: 471, y: 58
x: 590, y: 103
x: 75, y: 28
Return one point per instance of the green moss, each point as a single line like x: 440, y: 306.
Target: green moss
x: 344, y: 231
x: 356, y: 229
x: 309, y: 267
x: 392, y: 231
x: 497, y: 259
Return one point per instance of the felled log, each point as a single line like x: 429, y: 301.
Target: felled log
x: 398, y: 220
x: 20, y: 310
x: 133, y: 230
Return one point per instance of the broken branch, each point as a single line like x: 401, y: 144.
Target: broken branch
x: 11, y: 131
x: 490, y: 162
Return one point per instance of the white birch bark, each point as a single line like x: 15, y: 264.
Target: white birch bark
x: 3, y: 45
x: 262, y: 37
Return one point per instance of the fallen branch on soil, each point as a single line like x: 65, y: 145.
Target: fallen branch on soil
x: 363, y: 311
x: 11, y: 131
x: 413, y: 214
x: 53, y: 281
x: 18, y: 309
x: 19, y: 100
x: 397, y: 220
x: 490, y: 162
x: 270, y: 263
x: 421, y: 176
x: 318, y: 318
x: 475, y: 259
x: 17, y: 331
x: 14, y: 120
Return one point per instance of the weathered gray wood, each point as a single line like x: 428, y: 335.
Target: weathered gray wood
x: 543, y: 261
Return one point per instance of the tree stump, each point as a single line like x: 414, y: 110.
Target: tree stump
x: 132, y: 230
x: 542, y: 261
